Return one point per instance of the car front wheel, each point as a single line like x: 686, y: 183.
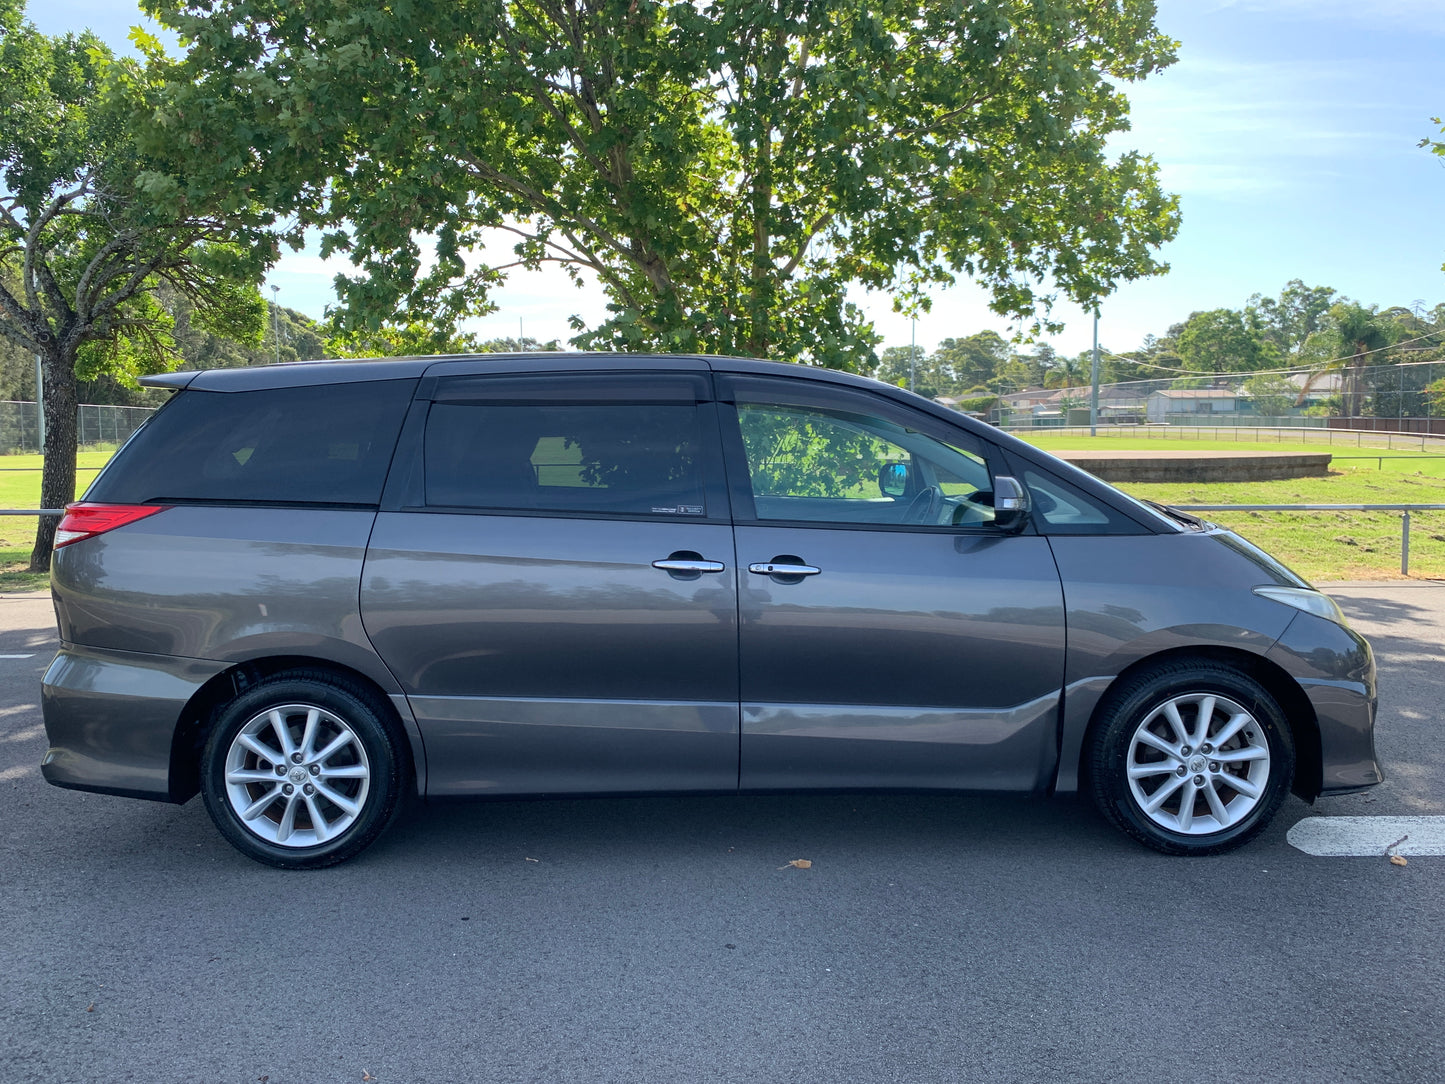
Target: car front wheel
x: 303, y: 770
x: 1191, y: 758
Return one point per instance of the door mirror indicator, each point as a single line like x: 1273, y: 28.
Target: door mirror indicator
x: 1011, y: 504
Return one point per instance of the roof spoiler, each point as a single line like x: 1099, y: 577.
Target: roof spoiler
x: 174, y: 381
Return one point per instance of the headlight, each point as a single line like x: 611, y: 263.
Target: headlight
x: 1311, y: 602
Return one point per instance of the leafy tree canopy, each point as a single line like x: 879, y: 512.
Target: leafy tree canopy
x: 1221, y: 341
x: 1272, y: 394
x: 1290, y: 320
x: 726, y: 169
x: 93, y: 229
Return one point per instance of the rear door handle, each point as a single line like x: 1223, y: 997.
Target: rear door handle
x: 772, y: 568
x: 670, y: 565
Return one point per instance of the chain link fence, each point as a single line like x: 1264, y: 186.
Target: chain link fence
x: 95, y: 424
x: 1396, y: 397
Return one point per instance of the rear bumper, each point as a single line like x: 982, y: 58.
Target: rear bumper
x: 111, y: 718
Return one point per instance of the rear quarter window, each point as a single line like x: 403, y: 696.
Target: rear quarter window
x: 322, y: 444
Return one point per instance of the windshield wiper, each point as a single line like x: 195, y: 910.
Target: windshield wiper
x: 1183, y: 517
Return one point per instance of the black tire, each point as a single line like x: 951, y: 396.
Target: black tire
x: 337, y: 803
x: 1232, y: 788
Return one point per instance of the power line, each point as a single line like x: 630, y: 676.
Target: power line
x: 1267, y: 372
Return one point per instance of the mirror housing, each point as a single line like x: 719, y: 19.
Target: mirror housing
x: 893, y: 479
x: 1011, y: 504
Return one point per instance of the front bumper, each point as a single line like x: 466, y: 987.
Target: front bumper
x: 111, y: 718
x: 1335, y: 669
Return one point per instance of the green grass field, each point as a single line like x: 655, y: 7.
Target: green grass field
x: 20, y: 488
x: 1320, y: 546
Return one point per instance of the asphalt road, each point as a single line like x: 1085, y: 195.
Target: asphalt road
x: 933, y: 939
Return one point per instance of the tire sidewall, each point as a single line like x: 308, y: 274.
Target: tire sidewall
x: 365, y: 718
x: 1108, y: 778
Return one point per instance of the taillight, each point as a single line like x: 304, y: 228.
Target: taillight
x: 85, y: 520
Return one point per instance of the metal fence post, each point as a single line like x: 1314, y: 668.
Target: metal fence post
x: 1405, y: 543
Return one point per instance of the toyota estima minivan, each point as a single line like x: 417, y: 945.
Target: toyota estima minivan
x: 305, y: 590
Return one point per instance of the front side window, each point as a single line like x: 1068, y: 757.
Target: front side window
x: 613, y: 457
x: 821, y: 464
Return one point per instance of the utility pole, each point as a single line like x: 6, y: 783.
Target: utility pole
x: 913, y: 354
x: 40, y: 402
x: 39, y: 388
x: 275, y: 321
x: 1094, y: 378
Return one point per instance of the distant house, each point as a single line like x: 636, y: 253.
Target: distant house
x: 1167, y: 405
x: 1321, y: 385
x: 1117, y: 403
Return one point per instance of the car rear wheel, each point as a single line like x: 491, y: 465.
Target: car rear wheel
x: 303, y: 770
x: 1191, y: 758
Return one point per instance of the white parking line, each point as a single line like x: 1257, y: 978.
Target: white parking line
x: 30, y: 656
x: 1334, y: 837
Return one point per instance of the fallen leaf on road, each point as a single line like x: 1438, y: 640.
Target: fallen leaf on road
x: 799, y: 863
x: 1395, y: 859
x: 366, y: 1075
x: 90, y: 1007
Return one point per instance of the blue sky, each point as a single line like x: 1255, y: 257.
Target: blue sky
x: 1288, y: 127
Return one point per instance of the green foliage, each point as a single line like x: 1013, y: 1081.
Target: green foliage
x: 1221, y: 341
x: 970, y: 362
x: 1435, y: 393
x: 1289, y: 321
x: 526, y: 345
x: 398, y: 340
x: 900, y: 365
x: 1068, y: 372
x: 1272, y: 394
x: 420, y: 339
x: 979, y: 404
x: 726, y: 169
x: 97, y: 221
x: 803, y: 454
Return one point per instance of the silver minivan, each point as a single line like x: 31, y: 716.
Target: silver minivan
x: 305, y: 591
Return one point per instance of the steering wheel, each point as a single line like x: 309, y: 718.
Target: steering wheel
x: 924, y: 506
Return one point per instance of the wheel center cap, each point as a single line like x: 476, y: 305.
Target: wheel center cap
x: 1195, y: 765
x: 298, y: 774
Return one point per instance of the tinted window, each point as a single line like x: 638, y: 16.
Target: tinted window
x: 324, y: 444
x: 1059, y: 508
x: 615, y: 457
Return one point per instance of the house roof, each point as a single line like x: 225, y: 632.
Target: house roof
x: 1198, y: 393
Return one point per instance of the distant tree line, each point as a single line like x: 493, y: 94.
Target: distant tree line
x: 1304, y: 328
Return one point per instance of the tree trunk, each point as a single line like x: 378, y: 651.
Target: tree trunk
x: 57, y: 480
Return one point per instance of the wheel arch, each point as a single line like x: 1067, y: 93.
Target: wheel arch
x: 199, y: 714
x: 1298, y: 712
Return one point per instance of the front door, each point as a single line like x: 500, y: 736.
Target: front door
x: 890, y: 634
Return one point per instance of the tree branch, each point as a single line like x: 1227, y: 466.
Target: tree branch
x: 549, y: 206
x: 807, y: 239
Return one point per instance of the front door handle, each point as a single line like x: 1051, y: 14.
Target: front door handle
x: 778, y: 568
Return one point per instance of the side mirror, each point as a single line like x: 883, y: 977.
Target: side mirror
x: 1011, y: 504
x: 893, y: 479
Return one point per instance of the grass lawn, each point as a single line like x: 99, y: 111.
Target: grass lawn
x: 1318, y: 545
x: 20, y: 488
